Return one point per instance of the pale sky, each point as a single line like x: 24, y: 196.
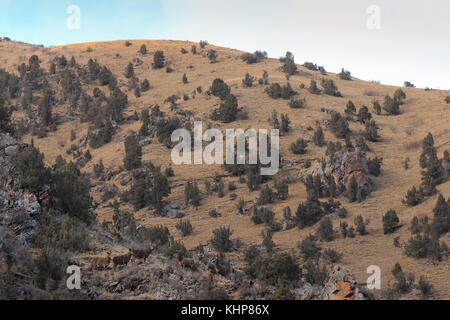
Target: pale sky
x: 395, y: 41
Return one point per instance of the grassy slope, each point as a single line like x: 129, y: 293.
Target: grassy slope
x: 425, y: 111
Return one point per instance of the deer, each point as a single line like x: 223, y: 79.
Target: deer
x: 122, y: 260
x: 187, y: 263
x: 141, y: 253
x: 101, y: 263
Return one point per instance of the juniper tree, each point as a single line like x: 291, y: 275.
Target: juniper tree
x: 345, y: 75
x: 253, y: 180
x: 265, y: 78
x: 221, y: 239
x: 399, y: 96
x: 220, y: 89
x: 414, y: 197
x: 442, y: 215
x: 102, y: 136
x: 377, y: 107
x: 313, y: 88
x: 165, y: 127
x: 446, y: 156
x: 309, y: 248
x: 212, y: 56
x: 247, y: 82
x: 285, y: 123
x: 352, y: 190
x: 184, y: 79
x: 433, y: 171
x: 299, y: 147
x: 145, y: 85
x: 332, y: 256
x: 99, y: 169
x: 339, y: 126
x: 308, y: 213
x: 192, y: 194
x: 143, y: 50
x: 139, y: 191
x: 228, y: 110
x: 33, y: 174
x: 287, y: 92
x: 5, y: 117
x: 262, y: 215
x: 348, y: 143
x: 330, y: 88
x: 159, y: 189
x: 129, y: 71
x: 391, y: 106
x: 390, y: 222
x: 371, y: 131
x: 266, y: 196
x: 350, y: 108
x: 72, y: 189
x: 425, y: 287
x: 145, y: 118
x: 62, y: 62
x: 72, y: 62
x: 361, y: 225
x: 331, y: 185
x: 289, y: 67
x: 274, y: 91
x: 325, y: 230
x: 374, y: 166
x: 27, y: 98
x: 133, y: 153
x: 45, y: 108
x: 268, y: 243
x: 282, y: 188
x: 297, y: 103
x: 311, y: 66
x: 52, y: 69
x: 314, y: 274
x: 185, y: 227
x: 364, y: 115
x: 447, y: 99
x: 319, y: 138
x: 361, y: 144
x: 332, y: 148
x: 159, y: 60
x: 137, y: 92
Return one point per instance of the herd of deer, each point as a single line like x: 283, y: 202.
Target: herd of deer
x: 102, y: 263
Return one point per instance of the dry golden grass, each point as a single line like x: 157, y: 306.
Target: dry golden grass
x: 425, y: 111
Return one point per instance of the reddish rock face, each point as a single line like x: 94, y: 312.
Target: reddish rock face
x: 342, y: 285
x: 356, y: 162
x: 343, y: 166
x: 362, y: 180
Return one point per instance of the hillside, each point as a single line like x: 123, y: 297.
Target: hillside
x: 401, y: 136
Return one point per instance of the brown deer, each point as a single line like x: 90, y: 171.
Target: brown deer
x: 141, y: 253
x: 100, y: 263
x: 122, y: 260
x: 187, y: 263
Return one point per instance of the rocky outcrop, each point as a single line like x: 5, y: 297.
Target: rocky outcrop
x: 343, y: 166
x: 342, y: 285
x: 18, y: 208
x: 174, y: 211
